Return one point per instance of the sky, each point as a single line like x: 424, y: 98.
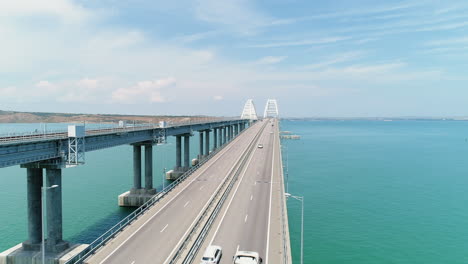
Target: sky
x: 335, y: 58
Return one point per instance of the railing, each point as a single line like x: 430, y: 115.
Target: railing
x: 100, y: 241
x: 199, y: 240
x: 62, y: 134
x: 283, y: 212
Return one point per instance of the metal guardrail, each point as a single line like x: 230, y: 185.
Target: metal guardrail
x: 283, y: 213
x: 201, y: 237
x: 100, y: 241
x: 62, y: 134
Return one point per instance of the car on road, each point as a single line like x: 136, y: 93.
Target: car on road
x: 260, y: 146
x: 212, y: 255
x: 247, y: 257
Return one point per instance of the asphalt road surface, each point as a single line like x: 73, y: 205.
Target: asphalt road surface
x: 155, y: 236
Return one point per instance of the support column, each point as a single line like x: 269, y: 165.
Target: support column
x: 187, y: 152
x: 178, y: 152
x: 215, y: 138
x: 220, y: 136
x: 201, y: 144
x: 225, y: 134
x: 54, y: 211
x: 148, y: 167
x: 207, y: 142
x: 136, y: 167
x: 34, y: 181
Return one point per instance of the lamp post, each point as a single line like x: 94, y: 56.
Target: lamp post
x: 164, y: 178
x: 301, y: 199
x: 44, y: 197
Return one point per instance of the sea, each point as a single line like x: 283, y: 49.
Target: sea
x: 373, y: 191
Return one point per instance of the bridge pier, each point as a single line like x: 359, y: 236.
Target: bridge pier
x: 137, y: 195
x: 56, y: 250
x: 225, y: 134
x: 207, y: 142
x: 200, y: 156
x: 179, y: 169
x: 220, y: 136
x: 186, y: 152
x: 34, y: 185
x: 215, y: 138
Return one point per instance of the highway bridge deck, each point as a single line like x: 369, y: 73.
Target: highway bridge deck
x: 251, y: 218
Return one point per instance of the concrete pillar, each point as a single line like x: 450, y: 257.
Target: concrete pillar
x: 136, y: 167
x: 220, y: 136
x: 187, y: 151
x: 34, y: 180
x: 178, y: 151
x: 201, y: 144
x: 225, y: 134
x: 215, y: 138
x: 207, y: 142
x: 54, y: 208
x: 148, y: 166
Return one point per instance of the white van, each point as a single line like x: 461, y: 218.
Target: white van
x: 212, y: 255
x: 247, y: 257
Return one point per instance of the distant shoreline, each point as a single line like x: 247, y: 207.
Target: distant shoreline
x: 43, y: 117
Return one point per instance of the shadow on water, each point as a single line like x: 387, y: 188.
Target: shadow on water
x: 99, y: 228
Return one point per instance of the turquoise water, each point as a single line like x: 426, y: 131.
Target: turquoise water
x: 375, y: 192
x: 380, y: 192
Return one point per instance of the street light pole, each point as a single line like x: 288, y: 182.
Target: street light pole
x: 44, y: 197
x: 301, y: 199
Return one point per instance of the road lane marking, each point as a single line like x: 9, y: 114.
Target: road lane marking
x: 163, y: 228
x: 251, y: 197
x: 204, y: 207
x: 269, y: 209
x: 222, y: 152
x: 245, y: 219
x: 186, y: 204
x: 232, y: 198
x: 255, y: 182
x: 237, y: 248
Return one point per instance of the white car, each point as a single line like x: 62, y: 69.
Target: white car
x: 260, y: 146
x: 212, y: 255
x: 247, y: 257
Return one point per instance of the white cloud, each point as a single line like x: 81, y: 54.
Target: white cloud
x: 238, y: 15
x: 447, y: 42
x: 143, y: 91
x: 271, y: 59
x: 8, y: 91
x: 64, y: 9
x: 88, y: 83
x: 46, y: 86
x: 331, y: 60
x: 306, y: 42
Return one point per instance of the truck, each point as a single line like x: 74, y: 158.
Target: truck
x: 247, y: 257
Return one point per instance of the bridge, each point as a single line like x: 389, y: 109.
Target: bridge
x: 231, y: 195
